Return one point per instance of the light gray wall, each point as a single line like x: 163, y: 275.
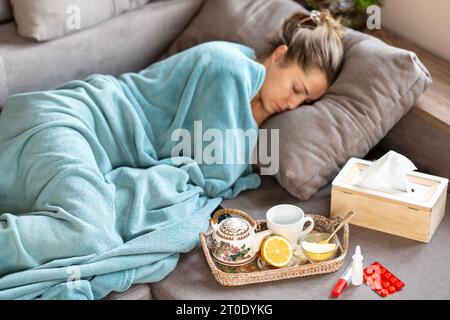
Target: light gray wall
x: 425, y: 22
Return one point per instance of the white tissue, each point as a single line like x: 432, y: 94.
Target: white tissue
x: 388, y: 173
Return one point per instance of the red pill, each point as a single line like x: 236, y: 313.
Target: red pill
x: 382, y: 270
x: 383, y: 292
x: 386, y: 284
x: 371, y: 283
x: 392, y: 289
x: 388, y: 275
x: 393, y: 280
x: 399, y: 284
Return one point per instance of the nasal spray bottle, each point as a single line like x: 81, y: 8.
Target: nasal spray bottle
x: 357, y: 267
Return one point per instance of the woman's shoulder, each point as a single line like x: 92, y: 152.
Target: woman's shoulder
x: 231, y: 57
x: 225, y: 49
x: 232, y: 61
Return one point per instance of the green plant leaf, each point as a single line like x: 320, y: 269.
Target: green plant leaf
x: 364, y: 4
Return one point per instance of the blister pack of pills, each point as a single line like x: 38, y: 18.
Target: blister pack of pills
x: 381, y: 280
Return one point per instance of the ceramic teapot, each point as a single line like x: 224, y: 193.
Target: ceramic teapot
x: 234, y: 240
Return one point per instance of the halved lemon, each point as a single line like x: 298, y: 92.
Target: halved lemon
x: 276, y: 251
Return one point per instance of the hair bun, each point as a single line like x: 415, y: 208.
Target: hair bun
x: 324, y: 17
x: 314, y: 40
x: 318, y: 18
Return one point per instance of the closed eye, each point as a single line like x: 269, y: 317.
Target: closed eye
x: 296, y: 91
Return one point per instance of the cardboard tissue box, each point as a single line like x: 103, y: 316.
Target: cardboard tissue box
x: 386, y: 195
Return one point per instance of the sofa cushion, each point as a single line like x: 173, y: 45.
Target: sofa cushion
x: 409, y: 259
x: 250, y: 22
x: 192, y: 278
x: 377, y: 86
x: 49, y: 19
x: 108, y: 48
x: 5, y: 11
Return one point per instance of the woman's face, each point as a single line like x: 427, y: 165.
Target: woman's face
x: 287, y: 87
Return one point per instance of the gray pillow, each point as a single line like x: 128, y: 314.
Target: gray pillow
x: 378, y: 84
x: 49, y: 19
x: 6, y: 14
x: 376, y: 87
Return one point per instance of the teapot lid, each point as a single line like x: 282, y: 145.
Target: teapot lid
x: 233, y: 227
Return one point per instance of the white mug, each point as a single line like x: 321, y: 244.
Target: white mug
x: 287, y: 220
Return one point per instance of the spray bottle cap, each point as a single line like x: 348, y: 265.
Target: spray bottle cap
x: 357, y: 256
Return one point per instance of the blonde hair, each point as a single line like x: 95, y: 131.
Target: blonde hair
x: 313, y: 41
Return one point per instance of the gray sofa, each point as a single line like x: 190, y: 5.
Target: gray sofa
x: 137, y: 38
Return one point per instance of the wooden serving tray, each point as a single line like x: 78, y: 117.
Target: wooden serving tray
x: 252, y: 273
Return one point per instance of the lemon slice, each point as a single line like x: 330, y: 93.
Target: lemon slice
x: 276, y: 251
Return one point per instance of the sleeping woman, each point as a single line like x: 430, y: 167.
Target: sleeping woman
x: 304, y: 59
x: 93, y: 197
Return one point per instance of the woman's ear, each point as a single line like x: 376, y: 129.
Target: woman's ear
x: 276, y: 57
x: 279, y: 53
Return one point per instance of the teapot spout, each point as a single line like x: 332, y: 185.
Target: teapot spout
x: 259, y: 237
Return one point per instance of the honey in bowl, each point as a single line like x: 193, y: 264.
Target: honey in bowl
x: 317, y: 251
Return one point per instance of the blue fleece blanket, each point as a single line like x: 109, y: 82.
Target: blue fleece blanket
x: 91, y: 197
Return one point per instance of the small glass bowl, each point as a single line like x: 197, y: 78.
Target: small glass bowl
x: 315, y: 238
